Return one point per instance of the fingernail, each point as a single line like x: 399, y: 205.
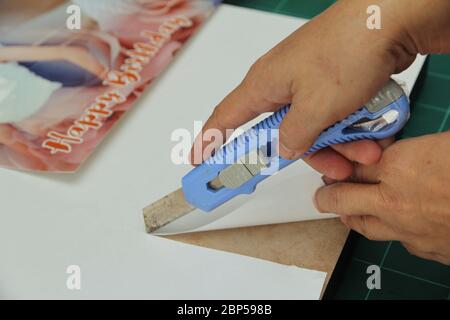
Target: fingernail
x: 328, y: 181
x: 288, y: 154
x: 315, y: 202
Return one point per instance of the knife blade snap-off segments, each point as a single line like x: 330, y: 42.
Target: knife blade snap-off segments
x: 254, y: 159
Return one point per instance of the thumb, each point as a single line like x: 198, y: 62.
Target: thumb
x: 251, y: 98
x: 350, y: 199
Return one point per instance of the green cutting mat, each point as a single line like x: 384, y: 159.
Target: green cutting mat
x: 403, y: 276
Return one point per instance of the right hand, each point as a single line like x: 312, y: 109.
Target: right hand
x: 327, y: 69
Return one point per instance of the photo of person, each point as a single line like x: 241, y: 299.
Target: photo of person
x: 44, y: 66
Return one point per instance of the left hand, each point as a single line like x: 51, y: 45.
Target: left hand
x: 404, y: 197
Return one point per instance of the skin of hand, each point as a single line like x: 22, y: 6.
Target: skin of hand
x: 329, y: 68
x: 404, y: 197
x: 76, y: 55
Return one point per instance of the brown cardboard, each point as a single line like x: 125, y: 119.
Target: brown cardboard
x: 309, y: 244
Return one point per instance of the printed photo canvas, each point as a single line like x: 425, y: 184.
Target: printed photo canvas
x: 63, y: 88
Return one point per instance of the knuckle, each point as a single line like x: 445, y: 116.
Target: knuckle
x: 333, y: 199
x: 389, y: 199
x: 326, y: 199
x: 258, y: 66
x: 216, y: 115
x: 255, y: 81
x: 221, y: 118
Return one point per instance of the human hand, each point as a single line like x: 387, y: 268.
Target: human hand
x: 327, y: 69
x: 405, y: 197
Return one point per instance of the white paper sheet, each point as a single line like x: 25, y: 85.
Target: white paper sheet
x: 93, y: 219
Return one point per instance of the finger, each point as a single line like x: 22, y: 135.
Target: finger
x: 237, y: 108
x: 386, y: 142
x: 365, y: 174
x: 265, y: 88
x: 364, y: 151
x: 370, y: 173
x: 336, y: 164
x: 330, y: 163
x: 348, y: 199
x: 361, y: 174
x: 299, y: 129
x: 370, y: 227
x: 311, y: 112
x: 328, y: 181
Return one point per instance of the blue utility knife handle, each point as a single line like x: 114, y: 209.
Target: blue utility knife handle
x: 196, y: 184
